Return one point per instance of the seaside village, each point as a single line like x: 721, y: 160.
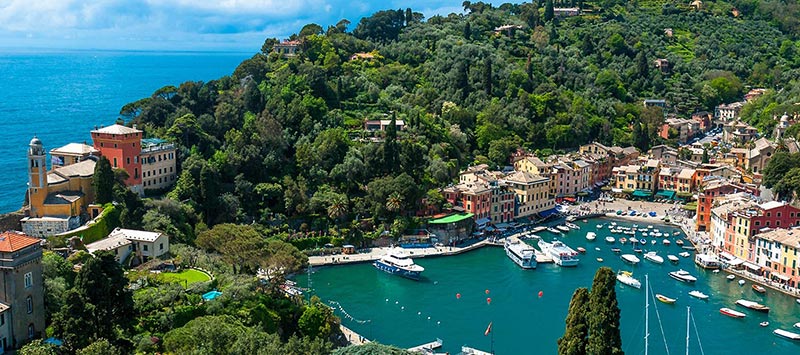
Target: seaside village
x: 709, y: 185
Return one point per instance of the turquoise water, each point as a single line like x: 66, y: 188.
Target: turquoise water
x: 61, y: 96
x: 524, y: 323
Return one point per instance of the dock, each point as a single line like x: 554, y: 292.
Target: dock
x: 466, y: 350
x: 377, y: 253
x: 427, y: 348
x: 353, y: 337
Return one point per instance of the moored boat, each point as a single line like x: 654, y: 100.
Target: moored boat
x: 572, y: 225
x: 797, y: 325
x: 673, y: 258
x: 786, y: 334
x: 397, y: 263
x: 679, y: 242
x: 521, y: 254
x: 563, y: 228
x: 653, y: 257
x: 553, y: 230
x: 610, y: 239
x: 626, y: 278
x: 599, y: 260
x: 665, y: 299
x: 731, y: 277
x: 741, y: 282
x: 665, y: 242
x: 622, y: 240
x: 630, y: 258
x: 637, y: 250
x: 615, y: 250
x: 698, y: 294
x: 759, y: 288
x: 591, y: 236
x: 731, y: 313
x: 653, y: 242
x: 753, y: 305
x: 683, y: 276
x: 562, y: 254
x: 600, y: 226
x: 581, y: 250
x: 764, y: 324
x: 684, y: 254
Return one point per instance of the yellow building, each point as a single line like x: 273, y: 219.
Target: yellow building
x: 56, y: 198
x: 532, y: 193
x: 776, y: 253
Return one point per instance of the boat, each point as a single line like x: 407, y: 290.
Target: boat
x: 630, y: 258
x: 676, y: 233
x: 581, y: 250
x: 753, y: 305
x: 599, y: 260
x: 798, y: 302
x: 572, y: 225
x: 397, y: 263
x: 613, y: 223
x: 633, y: 240
x: 786, y: 334
x: 731, y: 313
x: 741, y: 282
x: 597, y: 248
x: 731, y: 277
x: 626, y: 277
x: 600, y: 226
x: 610, y: 239
x: 637, y: 250
x: 683, y: 276
x: 759, y: 288
x: 698, y: 294
x: 649, y: 227
x: 653, y: 242
x: 684, y: 254
x: 634, y: 226
x: 716, y: 271
x: 585, y: 220
x: 521, y: 254
x: 679, y: 242
x: 553, y: 230
x: 563, y: 228
x: 665, y: 299
x: 571, y: 219
x: 643, y: 241
x: 562, y: 254
x: 764, y: 324
x: 591, y: 236
x: 619, y: 212
x: 707, y: 261
x: 665, y: 242
x: 797, y: 325
x: 615, y: 250
x: 673, y: 258
x: 652, y: 256
x: 688, y: 247
x: 622, y: 240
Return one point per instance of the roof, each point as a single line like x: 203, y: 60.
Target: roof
x: 772, y: 204
x: 64, y: 173
x: 784, y: 236
x: 13, y: 241
x: 63, y: 197
x: 453, y: 218
x: 629, y: 150
x: 525, y: 177
x: 117, y: 129
x: 686, y: 174
x: 75, y: 148
x: 110, y: 243
x: 137, y: 235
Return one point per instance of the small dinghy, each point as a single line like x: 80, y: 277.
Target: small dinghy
x: 764, y: 324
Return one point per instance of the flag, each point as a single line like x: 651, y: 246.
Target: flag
x: 488, y: 329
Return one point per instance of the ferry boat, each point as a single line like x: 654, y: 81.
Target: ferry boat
x: 759, y: 288
x: 591, y: 236
x: 398, y: 263
x: 731, y: 313
x: 562, y: 255
x: 698, y: 294
x: 683, y: 276
x: 626, y: 277
x: 652, y: 256
x: 665, y: 299
x: 706, y: 261
x: 562, y: 228
x: 521, y: 254
x: 630, y: 258
x: 753, y: 305
x: 673, y: 259
x: 786, y: 334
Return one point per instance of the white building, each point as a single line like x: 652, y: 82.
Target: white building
x: 124, y: 242
x: 5, y: 331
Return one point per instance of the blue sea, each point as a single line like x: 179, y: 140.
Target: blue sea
x: 61, y: 95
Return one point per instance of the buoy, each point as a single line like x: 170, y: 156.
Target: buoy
x: 487, y: 291
x: 488, y: 300
x: 439, y: 322
x: 429, y: 318
x: 458, y: 295
x: 419, y: 313
x: 541, y: 293
x: 387, y: 300
x: 403, y: 308
x: 396, y: 302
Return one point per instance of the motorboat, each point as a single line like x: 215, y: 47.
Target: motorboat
x: 676, y: 233
x: 572, y: 225
x: 581, y: 250
x: 521, y: 254
x: 600, y: 226
x: 731, y: 313
x: 591, y: 236
x: 562, y: 254
x: 797, y: 325
x: 764, y: 324
x: 397, y: 263
x: 653, y: 242
x: 599, y: 260
x: 637, y: 250
x: 615, y: 250
x: 716, y: 271
x: 759, y: 289
x: 626, y: 277
x: 731, y: 277
x: 571, y: 219
x: 698, y: 294
x: 665, y: 299
x: 679, y: 242
x: 563, y: 228
x: 665, y: 242
x: 684, y: 254
x: 682, y: 276
x: 597, y: 248
x: 673, y: 258
x: 622, y: 240
x: 786, y: 334
x: 610, y: 239
x: 553, y: 230
x: 643, y: 241
x: 652, y: 256
x: 633, y: 240
x: 753, y: 305
x: 741, y: 282
x: 688, y: 247
x: 630, y: 258
x: 613, y: 223
x: 649, y: 227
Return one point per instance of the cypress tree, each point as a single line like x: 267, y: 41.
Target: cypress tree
x: 487, y: 79
x: 577, y: 331
x: 390, y: 148
x: 603, y: 319
x: 467, y: 31
x: 549, y: 13
x: 103, y: 182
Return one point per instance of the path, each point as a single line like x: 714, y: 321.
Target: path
x: 353, y: 337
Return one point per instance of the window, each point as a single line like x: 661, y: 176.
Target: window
x: 115, y: 162
x: 29, y: 304
x: 30, y: 331
x: 28, y: 279
x: 144, y: 247
x: 2, y: 319
x: 161, y: 246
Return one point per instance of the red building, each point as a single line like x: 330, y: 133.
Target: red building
x: 712, y: 190
x: 473, y: 197
x: 121, y: 146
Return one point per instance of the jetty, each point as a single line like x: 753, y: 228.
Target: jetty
x: 466, y: 350
x: 427, y: 348
x: 377, y: 253
x: 353, y: 337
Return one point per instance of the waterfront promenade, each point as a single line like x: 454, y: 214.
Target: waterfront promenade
x: 376, y: 253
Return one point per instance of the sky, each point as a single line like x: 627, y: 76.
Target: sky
x: 181, y: 25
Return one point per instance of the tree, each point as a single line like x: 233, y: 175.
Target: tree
x: 549, y: 12
x: 38, y: 347
x: 318, y: 320
x: 310, y: 29
x: 603, y: 319
x: 391, y: 151
x: 705, y: 156
x: 100, y: 347
x: 394, y: 202
x: 788, y: 187
x: 577, y: 331
x: 778, y: 167
x: 103, y: 181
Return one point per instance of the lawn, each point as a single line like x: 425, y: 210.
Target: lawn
x: 185, y: 277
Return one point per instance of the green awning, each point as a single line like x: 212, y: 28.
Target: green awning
x: 666, y: 194
x: 453, y: 218
x: 642, y: 193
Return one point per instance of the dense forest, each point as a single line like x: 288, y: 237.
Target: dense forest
x: 277, y: 153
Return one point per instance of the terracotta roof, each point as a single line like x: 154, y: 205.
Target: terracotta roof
x: 117, y: 129
x: 13, y: 241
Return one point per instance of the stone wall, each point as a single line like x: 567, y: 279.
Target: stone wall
x: 10, y: 221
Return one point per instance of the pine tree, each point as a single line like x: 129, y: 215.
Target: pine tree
x: 604, y: 336
x: 577, y: 331
x: 103, y: 182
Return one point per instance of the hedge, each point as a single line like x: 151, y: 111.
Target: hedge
x: 102, y: 226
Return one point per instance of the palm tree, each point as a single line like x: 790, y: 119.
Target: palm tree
x: 394, y: 202
x: 337, y: 209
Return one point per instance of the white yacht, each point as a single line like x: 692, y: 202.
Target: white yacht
x: 520, y: 253
x: 562, y: 254
x: 563, y: 228
x: 572, y: 225
x: 652, y: 256
x: 395, y: 262
x: 683, y: 276
x: 610, y: 239
x: 630, y: 258
x: 698, y: 294
x: 591, y: 236
x: 626, y: 278
x: 673, y: 258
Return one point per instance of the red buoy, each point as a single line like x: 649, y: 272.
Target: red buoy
x: 488, y: 300
x: 458, y: 295
x: 541, y: 293
x: 487, y: 291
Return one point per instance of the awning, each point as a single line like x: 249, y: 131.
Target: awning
x: 548, y: 213
x: 735, y: 262
x: 482, y: 222
x: 570, y: 199
x: 490, y: 229
x: 666, y: 194
x: 751, y: 266
x: 616, y: 190
x: 642, y: 193
x: 782, y: 277
x: 502, y: 225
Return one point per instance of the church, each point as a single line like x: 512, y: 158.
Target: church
x: 56, y: 199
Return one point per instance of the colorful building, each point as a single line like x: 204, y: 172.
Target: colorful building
x: 122, y: 146
x: 159, y: 164
x: 532, y: 193
x: 747, y: 222
x: 472, y: 197
x: 641, y: 180
x: 713, y: 194
x: 776, y: 253
x: 71, y: 153
x: 22, y: 289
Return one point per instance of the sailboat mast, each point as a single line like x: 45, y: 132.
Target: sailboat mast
x: 646, y: 312
x: 687, y: 330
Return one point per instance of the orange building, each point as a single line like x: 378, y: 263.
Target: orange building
x: 121, y: 145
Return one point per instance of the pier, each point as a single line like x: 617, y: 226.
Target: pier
x: 376, y: 253
x: 427, y: 348
x: 353, y: 337
x: 466, y: 350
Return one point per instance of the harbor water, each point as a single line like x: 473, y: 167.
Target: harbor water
x: 406, y: 313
